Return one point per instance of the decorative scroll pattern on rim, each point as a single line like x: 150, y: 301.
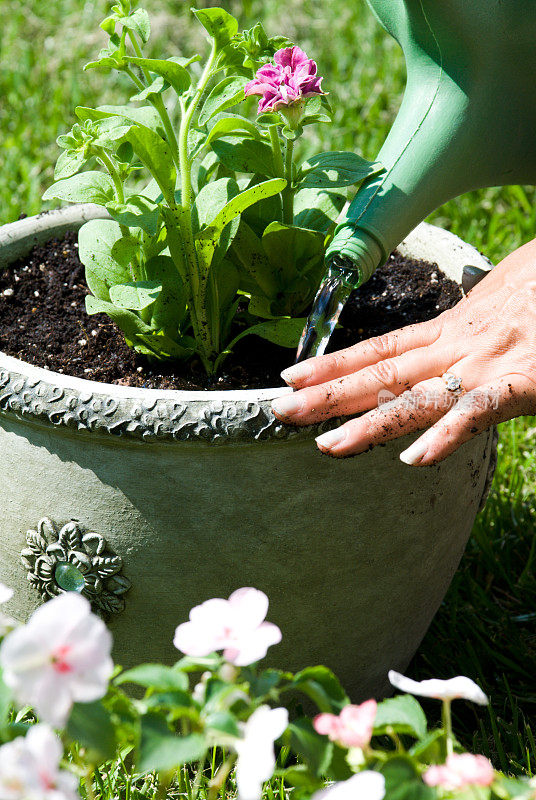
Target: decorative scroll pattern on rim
x: 148, y: 418
x: 54, y: 558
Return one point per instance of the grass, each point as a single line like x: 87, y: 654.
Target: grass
x: 486, y: 627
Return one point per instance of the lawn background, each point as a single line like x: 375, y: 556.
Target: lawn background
x: 487, y: 626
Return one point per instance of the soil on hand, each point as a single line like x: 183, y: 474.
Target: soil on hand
x: 43, y: 321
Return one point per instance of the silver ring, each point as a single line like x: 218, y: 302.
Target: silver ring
x: 453, y: 383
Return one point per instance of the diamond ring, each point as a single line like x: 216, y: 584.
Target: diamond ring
x: 453, y: 383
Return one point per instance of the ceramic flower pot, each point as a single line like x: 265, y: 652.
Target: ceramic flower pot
x: 150, y: 502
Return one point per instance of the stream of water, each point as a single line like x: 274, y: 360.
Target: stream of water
x: 330, y: 299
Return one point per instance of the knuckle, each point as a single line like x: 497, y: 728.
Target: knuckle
x: 384, y: 345
x: 385, y: 373
x: 336, y: 362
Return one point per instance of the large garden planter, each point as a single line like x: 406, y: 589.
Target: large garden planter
x: 189, y: 495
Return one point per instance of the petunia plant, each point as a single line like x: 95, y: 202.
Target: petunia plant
x: 215, y: 231
x: 216, y: 724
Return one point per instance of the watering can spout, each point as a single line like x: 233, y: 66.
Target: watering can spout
x: 467, y: 119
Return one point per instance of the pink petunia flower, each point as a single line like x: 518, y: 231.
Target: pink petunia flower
x: 235, y: 626
x: 290, y: 79
x: 460, y: 771
x: 352, y: 728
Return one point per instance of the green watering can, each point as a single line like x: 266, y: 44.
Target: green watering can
x: 467, y: 120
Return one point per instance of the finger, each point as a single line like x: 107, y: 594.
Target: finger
x: 359, y: 391
x: 476, y: 411
x: 351, y: 359
x: 411, y: 411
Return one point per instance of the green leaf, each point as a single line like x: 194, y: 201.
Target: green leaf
x: 431, y: 748
x: 336, y: 168
x: 255, y: 268
x: 293, y: 251
x: 234, y: 207
x: 68, y: 163
x: 245, y: 155
x: 209, y: 663
x: 163, y: 346
x: 219, y: 24
x: 403, y: 782
x: 232, y: 124
x: 154, y: 676
x: 223, y: 722
x: 306, y: 743
x: 135, y: 295
x: 283, y: 331
x: 173, y: 73
x: 317, y: 209
x: 149, y: 93
x: 138, y: 22
x: 131, y: 325
x: 90, y: 725
x: 322, y: 686
x: 155, y: 153
x: 136, y: 212
x: 169, y: 309
x: 146, y: 115
x: 225, y: 94
x: 162, y: 750
x: 105, y: 264
x: 87, y: 187
x: 403, y: 714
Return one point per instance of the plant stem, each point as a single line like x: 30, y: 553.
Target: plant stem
x: 88, y: 783
x: 158, y: 103
x: 186, y: 121
x: 288, y: 191
x: 197, y: 294
x: 447, y: 724
x: 107, y: 162
x: 276, y: 149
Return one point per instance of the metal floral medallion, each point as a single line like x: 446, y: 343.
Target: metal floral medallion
x: 72, y: 561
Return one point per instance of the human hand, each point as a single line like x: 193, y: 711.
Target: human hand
x: 488, y: 340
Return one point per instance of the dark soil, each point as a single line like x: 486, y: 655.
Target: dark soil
x: 43, y: 321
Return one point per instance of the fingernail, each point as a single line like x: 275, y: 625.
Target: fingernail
x: 331, y: 438
x: 287, y: 405
x: 298, y: 372
x: 415, y: 452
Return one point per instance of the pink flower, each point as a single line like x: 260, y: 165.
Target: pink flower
x: 29, y: 768
x: 291, y: 78
x: 352, y: 728
x: 60, y: 657
x: 235, y: 626
x: 460, y: 771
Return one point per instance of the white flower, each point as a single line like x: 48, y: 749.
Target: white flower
x: 256, y: 756
x: 452, y: 689
x: 6, y: 623
x: 235, y: 626
x: 365, y: 785
x: 29, y: 768
x: 60, y: 657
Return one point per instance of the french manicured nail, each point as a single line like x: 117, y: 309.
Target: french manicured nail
x: 415, y: 452
x: 287, y: 405
x: 298, y: 372
x: 330, y: 439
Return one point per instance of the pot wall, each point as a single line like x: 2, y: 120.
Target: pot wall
x: 201, y: 493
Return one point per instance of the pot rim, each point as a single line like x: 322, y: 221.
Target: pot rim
x: 174, y: 414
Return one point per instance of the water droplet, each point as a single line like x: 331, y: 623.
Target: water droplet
x: 68, y: 577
